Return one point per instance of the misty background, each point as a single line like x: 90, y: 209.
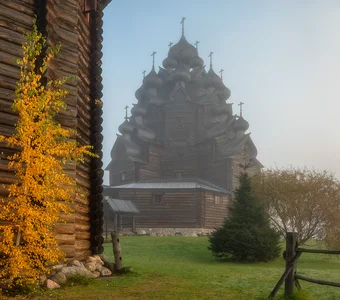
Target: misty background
x: 281, y: 58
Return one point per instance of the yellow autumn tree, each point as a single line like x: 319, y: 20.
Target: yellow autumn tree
x: 42, y: 189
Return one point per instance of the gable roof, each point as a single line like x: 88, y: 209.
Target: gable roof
x: 121, y: 206
x: 173, y: 184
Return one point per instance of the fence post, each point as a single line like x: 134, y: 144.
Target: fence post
x: 116, y: 250
x: 290, y: 254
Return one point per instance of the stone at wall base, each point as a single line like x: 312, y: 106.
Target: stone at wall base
x: 51, y: 285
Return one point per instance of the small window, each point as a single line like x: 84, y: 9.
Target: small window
x: 157, y: 198
x: 217, y: 199
x: 123, y: 176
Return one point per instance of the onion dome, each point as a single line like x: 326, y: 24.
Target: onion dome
x: 140, y: 93
x: 241, y: 124
x: 196, y: 62
x: 224, y: 94
x: 149, y: 93
x: 146, y: 133
x: 183, y: 51
x: 181, y: 73
x: 212, y: 79
x: 137, y: 110
x: 125, y: 128
x: 169, y: 63
x: 225, y: 108
x: 152, y: 80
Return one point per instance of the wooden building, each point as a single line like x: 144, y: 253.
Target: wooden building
x: 77, y: 25
x: 180, y: 152
x: 119, y: 214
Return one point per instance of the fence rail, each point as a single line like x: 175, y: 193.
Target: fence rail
x: 289, y: 277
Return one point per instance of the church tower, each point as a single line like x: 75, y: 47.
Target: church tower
x: 180, y: 152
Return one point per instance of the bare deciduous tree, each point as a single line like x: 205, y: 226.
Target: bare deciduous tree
x: 301, y: 200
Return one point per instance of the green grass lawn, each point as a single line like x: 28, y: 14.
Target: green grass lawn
x: 183, y: 268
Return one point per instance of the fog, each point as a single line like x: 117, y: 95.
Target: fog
x: 281, y: 58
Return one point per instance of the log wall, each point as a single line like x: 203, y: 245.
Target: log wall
x: 215, y: 210
x: 152, y: 170
x: 15, y: 18
x: 80, y: 35
x: 178, y: 208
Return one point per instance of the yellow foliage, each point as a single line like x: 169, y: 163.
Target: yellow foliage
x: 28, y: 245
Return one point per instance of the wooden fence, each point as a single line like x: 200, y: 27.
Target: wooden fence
x: 289, y: 277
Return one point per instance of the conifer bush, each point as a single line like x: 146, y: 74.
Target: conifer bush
x: 246, y: 235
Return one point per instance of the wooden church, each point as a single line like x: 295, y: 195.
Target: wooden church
x: 77, y: 25
x: 179, y: 154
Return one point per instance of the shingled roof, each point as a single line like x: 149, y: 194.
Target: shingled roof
x: 121, y: 206
x: 169, y: 185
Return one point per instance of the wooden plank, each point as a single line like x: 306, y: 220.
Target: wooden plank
x: 11, y: 36
x: 69, y: 250
x: 16, y: 15
x: 317, y: 281
x: 320, y: 251
x: 67, y: 228
x: 27, y: 7
x: 65, y: 239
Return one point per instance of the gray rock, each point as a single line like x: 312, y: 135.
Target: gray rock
x: 91, y: 259
x: 59, y: 278
x: 104, y: 258
x: 96, y: 274
x: 51, y: 285
x: 75, y: 263
x: 110, y: 266
x: 140, y: 232
x: 58, y: 267
x: 98, y: 259
x: 86, y: 273
x: 69, y: 271
x: 194, y: 234
x: 91, y: 266
x: 105, y: 272
x: 99, y: 267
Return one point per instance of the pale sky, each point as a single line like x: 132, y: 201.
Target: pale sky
x: 281, y: 58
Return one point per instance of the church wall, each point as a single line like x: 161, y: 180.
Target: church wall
x: 180, y: 117
x: 178, y: 208
x: 218, y: 173
x: 152, y: 169
x: 215, y: 209
x: 185, y: 163
x: 117, y: 168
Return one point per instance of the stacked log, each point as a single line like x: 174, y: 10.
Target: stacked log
x: 80, y: 35
x: 64, y: 15
x: 16, y: 17
x: 96, y: 129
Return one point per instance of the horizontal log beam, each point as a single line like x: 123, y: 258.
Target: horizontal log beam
x: 317, y: 281
x: 317, y: 251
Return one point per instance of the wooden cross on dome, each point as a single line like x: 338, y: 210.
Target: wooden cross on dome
x: 144, y: 73
x: 196, y: 44
x: 153, y: 59
x: 182, y: 22
x: 126, y: 112
x: 221, y: 72
x: 210, y: 55
x: 240, y: 105
x: 170, y: 45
